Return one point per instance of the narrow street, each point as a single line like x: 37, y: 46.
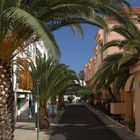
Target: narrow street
x: 80, y: 123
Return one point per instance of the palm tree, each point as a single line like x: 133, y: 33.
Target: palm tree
x: 58, y: 80
x: 36, y: 71
x: 23, y: 23
x: 14, y: 37
x: 111, y: 78
x: 54, y: 79
x: 81, y: 11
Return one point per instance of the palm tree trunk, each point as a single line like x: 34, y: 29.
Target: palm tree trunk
x: 6, y: 103
x: 43, y: 118
x: 61, y: 103
x: 53, y: 100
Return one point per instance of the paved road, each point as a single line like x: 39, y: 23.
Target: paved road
x: 79, y: 123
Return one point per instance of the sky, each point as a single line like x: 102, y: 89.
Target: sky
x: 75, y: 50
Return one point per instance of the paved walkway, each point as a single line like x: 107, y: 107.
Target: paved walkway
x: 81, y: 123
x: 26, y: 131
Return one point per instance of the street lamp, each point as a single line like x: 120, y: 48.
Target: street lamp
x: 37, y: 108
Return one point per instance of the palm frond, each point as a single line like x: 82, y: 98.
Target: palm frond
x: 112, y: 43
x: 128, y: 59
x: 123, y: 31
x: 59, y: 23
x: 23, y: 17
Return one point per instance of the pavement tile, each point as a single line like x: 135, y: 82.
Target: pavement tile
x: 26, y: 131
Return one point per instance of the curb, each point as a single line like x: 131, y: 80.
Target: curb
x: 121, y: 125
x: 113, y: 121
x: 124, y: 132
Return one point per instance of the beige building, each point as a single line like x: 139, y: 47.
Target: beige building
x: 129, y: 103
x: 136, y: 71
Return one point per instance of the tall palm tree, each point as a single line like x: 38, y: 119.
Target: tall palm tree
x: 25, y: 22
x: 58, y: 80
x: 14, y: 37
x: 54, y: 79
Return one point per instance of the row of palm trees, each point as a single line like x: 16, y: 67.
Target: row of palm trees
x: 113, y: 72
x: 25, y: 22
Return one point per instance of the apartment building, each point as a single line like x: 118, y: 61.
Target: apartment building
x: 23, y: 98
x: 129, y: 103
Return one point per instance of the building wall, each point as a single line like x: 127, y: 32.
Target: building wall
x: 29, y: 52
x: 131, y: 101
x: 128, y: 106
x: 97, y: 51
x: 103, y: 37
x: 136, y: 71
x: 137, y: 102
x: 109, y: 37
x: 23, y: 107
x: 86, y: 72
x: 91, y: 67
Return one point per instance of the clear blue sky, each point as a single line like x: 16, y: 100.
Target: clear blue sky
x: 75, y: 51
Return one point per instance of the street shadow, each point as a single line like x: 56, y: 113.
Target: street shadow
x: 80, y: 123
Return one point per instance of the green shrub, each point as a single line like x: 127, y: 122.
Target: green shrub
x: 103, y: 106
x: 131, y: 124
x: 70, y: 98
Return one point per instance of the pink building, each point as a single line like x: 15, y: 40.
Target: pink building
x: 87, y: 74
x: 129, y: 107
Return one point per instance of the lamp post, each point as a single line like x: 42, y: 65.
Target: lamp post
x: 37, y: 91
x: 37, y: 108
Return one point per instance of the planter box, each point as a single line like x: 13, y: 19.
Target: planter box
x: 117, y: 108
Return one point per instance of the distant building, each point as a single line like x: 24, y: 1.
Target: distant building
x: 23, y: 98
